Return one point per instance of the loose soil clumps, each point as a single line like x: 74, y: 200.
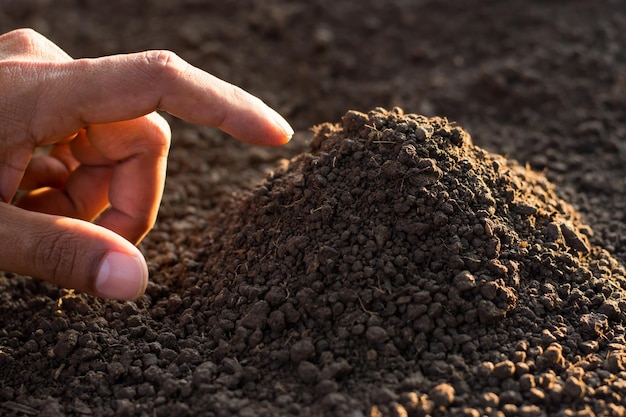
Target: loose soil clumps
x: 395, y: 269
x: 398, y: 269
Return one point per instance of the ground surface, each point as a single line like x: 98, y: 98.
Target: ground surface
x: 234, y: 324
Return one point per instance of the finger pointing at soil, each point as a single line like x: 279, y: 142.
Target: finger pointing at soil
x: 107, y: 161
x: 122, y: 87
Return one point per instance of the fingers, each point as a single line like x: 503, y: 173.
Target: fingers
x: 83, y: 196
x: 115, y: 171
x: 140, y: 148
x: 50, y: 170
x: 71, y: 253
x: 44, y: 171
x: 122, y: 171
x: 122, y: 87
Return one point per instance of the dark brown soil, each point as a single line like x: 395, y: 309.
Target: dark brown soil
x: 393, y: 267
x: 397, y: 268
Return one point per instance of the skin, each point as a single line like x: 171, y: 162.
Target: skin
x: 84, y: 205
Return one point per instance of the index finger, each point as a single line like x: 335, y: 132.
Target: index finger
x: 123, y: 87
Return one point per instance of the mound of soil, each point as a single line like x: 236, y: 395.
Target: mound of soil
x: 397, y: 269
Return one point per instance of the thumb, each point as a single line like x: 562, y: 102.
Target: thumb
x: 70, y: 253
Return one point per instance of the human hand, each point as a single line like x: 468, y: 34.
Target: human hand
x: 107, y: 159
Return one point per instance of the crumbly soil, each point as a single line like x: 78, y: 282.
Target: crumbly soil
x: 460, y: 253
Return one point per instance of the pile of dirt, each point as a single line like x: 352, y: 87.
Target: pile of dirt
x: 397, y: 269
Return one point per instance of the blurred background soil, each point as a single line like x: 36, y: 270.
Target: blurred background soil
x: 543, y: 83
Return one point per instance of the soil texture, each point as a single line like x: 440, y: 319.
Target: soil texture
x: 448, y: 238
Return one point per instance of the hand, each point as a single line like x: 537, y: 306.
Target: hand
x: 107, y: 157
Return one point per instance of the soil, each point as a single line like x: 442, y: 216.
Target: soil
x: 460, y: 253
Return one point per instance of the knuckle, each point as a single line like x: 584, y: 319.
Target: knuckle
x: 151, y: 140
x: 161, y: 134
x: 22, y: 34
x: 163, y: 63
x: 25, y: 39
x: 152, y: 143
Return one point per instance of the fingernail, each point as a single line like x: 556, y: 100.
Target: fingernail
x: 282, y: 124
x: 121, y: 276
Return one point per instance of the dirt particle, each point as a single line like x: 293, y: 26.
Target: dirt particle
x: 256, y: 317
x: 503, y: 370
x: 442, y: 395
x: 376, y: 335
x: 301, y: 350
x: 464, y: 281
x: 573, y: 239
x: 66, y: 344
x: 308, y: 372
x: 574, y: 387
